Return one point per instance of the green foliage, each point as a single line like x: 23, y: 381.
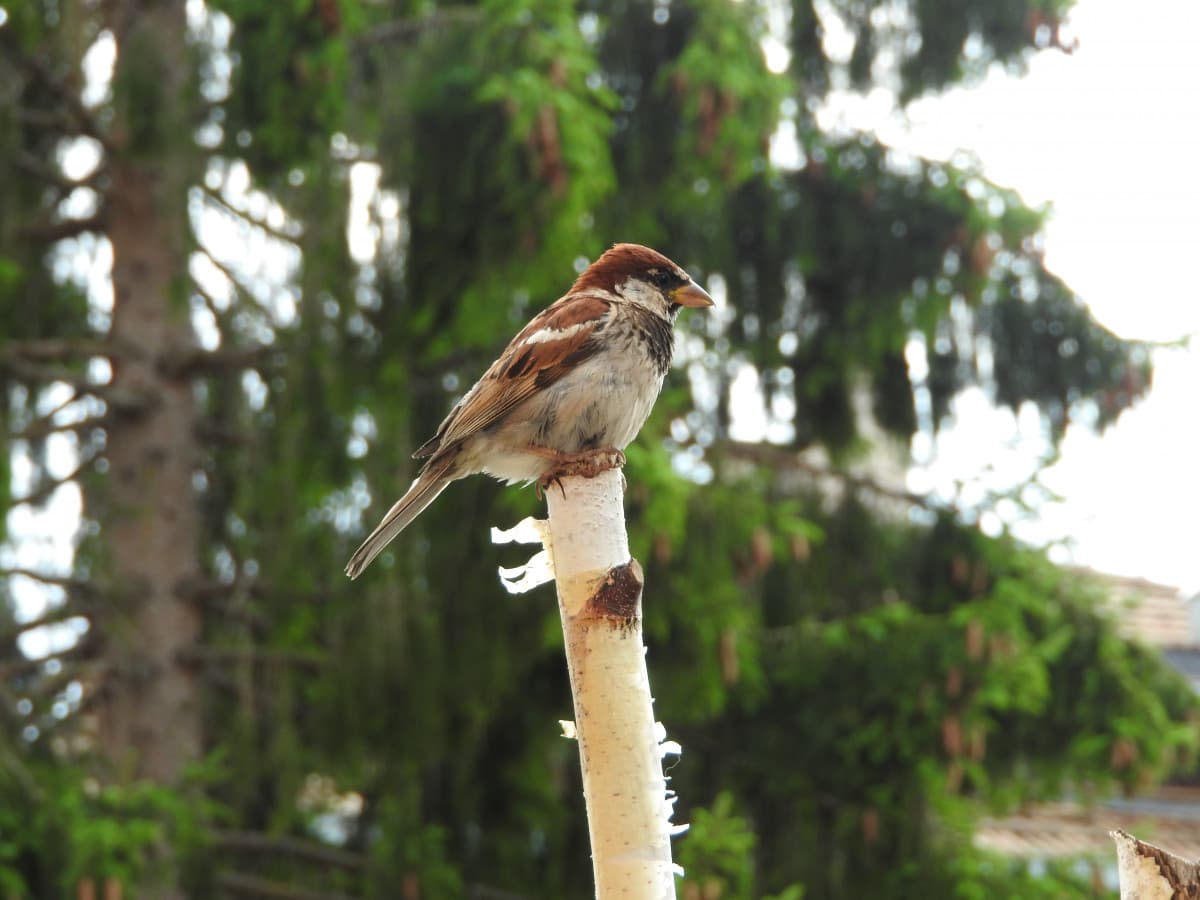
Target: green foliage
x: 892, y: 692
x: 505, y: 159
x: 27, y: 24
x: 58, y: 826
x: 727, y: 104
x: 289, y: 87
x: 1050, y: 351
x: 408, y: 850
x: 714, y: 858
x: 853, y: 683
x: 985, y: 876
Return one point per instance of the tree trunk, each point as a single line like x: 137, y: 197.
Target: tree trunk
x: 147, y: 708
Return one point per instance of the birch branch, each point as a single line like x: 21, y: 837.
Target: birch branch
x: 1148, y: 873
x: 620, y: 745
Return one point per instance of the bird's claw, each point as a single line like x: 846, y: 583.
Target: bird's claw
x: 545, y: 483
x: 587, y: 464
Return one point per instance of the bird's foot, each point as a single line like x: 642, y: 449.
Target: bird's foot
x: 587, y: 464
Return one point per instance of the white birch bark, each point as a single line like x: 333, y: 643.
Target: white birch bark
x: 1148, y: 873
x: 620, y: 745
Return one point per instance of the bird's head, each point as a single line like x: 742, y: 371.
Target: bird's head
x: 643, y: 276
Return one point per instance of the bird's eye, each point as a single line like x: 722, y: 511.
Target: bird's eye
x: 661, y: 279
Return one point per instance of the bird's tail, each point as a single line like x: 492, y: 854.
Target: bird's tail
x: 422, y: 492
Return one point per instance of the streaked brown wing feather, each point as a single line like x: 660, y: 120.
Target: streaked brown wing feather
x: 524, y: 368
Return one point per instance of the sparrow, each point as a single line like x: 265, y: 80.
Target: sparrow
x: 581, y: 376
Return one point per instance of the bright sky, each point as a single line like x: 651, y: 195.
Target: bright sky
x: 1109, y: 136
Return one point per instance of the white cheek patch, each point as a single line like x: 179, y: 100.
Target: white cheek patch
x: 546, y: 335
x: 637, y: 291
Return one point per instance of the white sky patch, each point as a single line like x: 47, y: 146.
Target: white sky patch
x: 837, y: 40
x: 45, y: 546
x: 775, y: 42
x: 1133, y: 494
x: 1107, y: 136
x: 361, y: 233
x: 785, y: 150
x: 98, y: 64
x: 750, y: 421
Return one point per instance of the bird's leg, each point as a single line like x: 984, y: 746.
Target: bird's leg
x: 587, y: 464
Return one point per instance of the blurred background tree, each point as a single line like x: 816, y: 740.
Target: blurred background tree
x: 250, y: 252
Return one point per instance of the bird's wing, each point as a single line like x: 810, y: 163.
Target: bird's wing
x: 554, y: 342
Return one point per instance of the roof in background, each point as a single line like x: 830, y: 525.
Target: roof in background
x: 1168, y: 819
x: 1155, y: 613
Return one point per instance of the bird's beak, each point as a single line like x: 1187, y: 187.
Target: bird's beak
x: 691, y: 294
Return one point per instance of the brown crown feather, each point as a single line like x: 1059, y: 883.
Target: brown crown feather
x: 619, y: 263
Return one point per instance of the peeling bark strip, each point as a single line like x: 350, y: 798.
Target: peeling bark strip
x: 620, y: 744
x: 1150, y: 873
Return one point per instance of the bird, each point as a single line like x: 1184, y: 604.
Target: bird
x: 581, y: 377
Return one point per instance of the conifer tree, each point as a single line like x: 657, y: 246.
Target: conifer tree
x: 251, y: 251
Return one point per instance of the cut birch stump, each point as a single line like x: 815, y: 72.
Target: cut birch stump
x: 621, y: 747
x: 1149, y: 873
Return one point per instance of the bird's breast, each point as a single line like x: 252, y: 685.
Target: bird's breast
x: 603, y: 403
